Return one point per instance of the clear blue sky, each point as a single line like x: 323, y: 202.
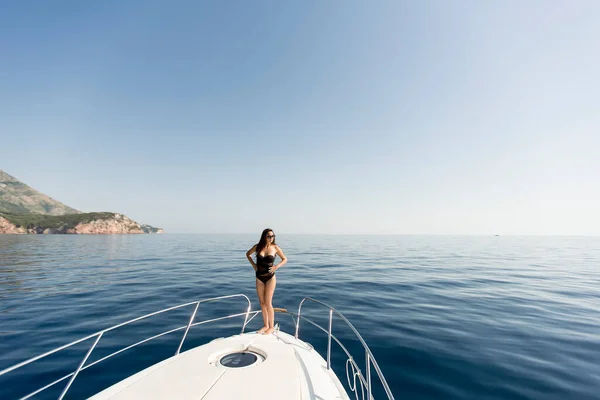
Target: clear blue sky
x: 386, y: 117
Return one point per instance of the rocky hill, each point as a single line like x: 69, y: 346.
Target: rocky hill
x: 25, y: 210
x: 17, y: 197
x: 99, y: 223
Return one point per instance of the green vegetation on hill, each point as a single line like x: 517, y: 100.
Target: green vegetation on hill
x: 12, y: 208
x: 150, y: 229
x: 66, y: 221
x: 19, y: 198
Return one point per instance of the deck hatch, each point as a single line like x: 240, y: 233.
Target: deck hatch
x: 239, y: 359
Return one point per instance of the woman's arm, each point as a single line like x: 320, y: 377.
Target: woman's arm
x: 249, y: 257
x: 283, y: 259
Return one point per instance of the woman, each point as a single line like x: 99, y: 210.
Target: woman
x: 266, y: 250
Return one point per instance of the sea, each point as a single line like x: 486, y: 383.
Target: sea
x: 446, y: 317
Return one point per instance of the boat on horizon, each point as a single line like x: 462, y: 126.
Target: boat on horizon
x: 233, y: 367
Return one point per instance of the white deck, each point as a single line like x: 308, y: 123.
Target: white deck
x: 291, y: 370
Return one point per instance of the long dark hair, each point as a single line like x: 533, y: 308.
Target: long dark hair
x: 263, y: 240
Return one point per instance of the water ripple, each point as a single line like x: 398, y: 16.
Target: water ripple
x: 445, y: 317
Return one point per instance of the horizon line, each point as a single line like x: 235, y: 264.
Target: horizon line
x: 391, y: 234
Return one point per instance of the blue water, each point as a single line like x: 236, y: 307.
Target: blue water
x: 446, y: 317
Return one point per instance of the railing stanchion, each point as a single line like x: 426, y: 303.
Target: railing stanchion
x: 368, y: 375
x: 187, y: 328
x: 79, y: 367
x: 329, y: 339
x: 298, y: 322
x: 246, y: 317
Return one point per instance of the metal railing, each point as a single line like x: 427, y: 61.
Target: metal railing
x: 356, y: 372
x: 99, y: 334
x: 369, y: 358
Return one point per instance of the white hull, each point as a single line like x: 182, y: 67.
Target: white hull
x: 291, y: 369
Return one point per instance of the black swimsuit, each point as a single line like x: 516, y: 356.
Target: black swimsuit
x: 264, y: 263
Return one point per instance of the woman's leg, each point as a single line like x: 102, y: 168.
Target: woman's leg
x: 260, y: 290
x: 269, y: 291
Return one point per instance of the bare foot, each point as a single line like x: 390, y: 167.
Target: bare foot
x: 261, y: 330
x: 269, y: 331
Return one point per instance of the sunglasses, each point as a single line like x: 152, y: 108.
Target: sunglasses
x: 270, y: 236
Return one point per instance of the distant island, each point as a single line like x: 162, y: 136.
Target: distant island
x: 24, y: 210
